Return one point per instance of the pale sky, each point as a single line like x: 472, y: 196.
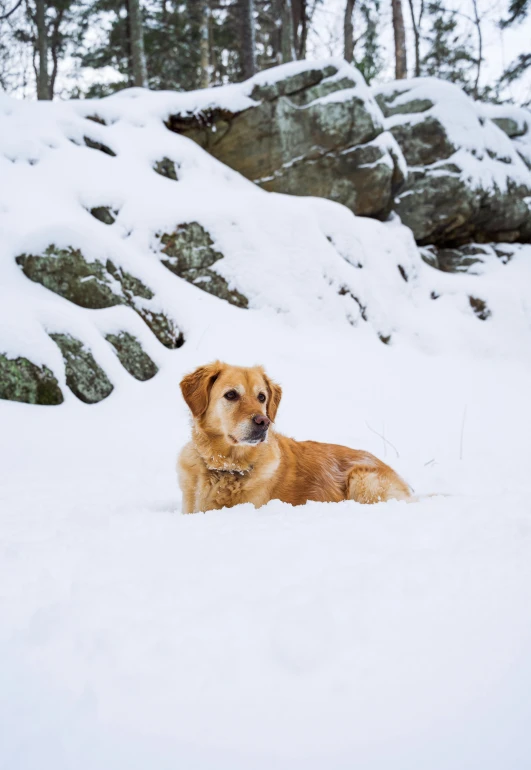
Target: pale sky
x: 500, y: 47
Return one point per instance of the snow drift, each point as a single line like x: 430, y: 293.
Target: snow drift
x: 307, y: 260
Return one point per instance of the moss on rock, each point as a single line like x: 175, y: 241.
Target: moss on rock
x: 85, y: 378
x: 190, y: 255
x: 22, y: 380
x: 132, y: 356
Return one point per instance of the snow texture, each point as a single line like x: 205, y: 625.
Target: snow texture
x: 389, y: 637
x: 488, y: 159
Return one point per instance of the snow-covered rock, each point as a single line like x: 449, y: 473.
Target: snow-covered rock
x: 305, y: 129
x: 122, y: 241
x: 515, y: 122
x: 466, y: 179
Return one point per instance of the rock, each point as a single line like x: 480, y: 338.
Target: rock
x: 21, y: 380
x: 466, y: 180
x: 85, y: 378
x: 315, y: 133
x: 190, y: 255
x: 510, y: 126
x: 465, y: 259
x: 66, y: 272
x: 516, y: 123
x: 166, y: 167
x: 479, y: 306
x: 162, y: 327
x: 95, y: 145
x: 132, y: 356
x: 96, y: 119
x: 95, y: 285
x: 104, y: 214
x: 471, y: 258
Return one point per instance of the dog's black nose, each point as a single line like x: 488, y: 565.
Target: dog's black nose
x: 262, y: 420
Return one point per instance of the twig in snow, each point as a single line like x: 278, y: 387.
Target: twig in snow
x: 462, y: 433
x: 383, y: 438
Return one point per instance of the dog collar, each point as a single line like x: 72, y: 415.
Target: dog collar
x: 234, y: 472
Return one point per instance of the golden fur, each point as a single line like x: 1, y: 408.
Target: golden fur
x: 235, y: 456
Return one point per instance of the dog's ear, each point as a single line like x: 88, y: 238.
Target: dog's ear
x: 196, y: 387
x: 275, y: 394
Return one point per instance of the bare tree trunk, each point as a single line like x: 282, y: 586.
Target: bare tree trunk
x: 43, y: 86
x: 416, y: 24
x: 303, y: 39
x: 400, y: 40
x: 136, y: 35
x: 204, y: 44
x: 348, y: 31
x: 248, y: 38
x: 55, y: 46
x: 286, y: 31
x: 300, y: 27
x: 477, y: 22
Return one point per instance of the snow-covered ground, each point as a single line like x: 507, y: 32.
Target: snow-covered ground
x: 390, y: 637
x: 393, y: 636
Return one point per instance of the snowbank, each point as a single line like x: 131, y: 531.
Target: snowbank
x: 308, y: 261
x: 467, y: 179
x: 391, y: 636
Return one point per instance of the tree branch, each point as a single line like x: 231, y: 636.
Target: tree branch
x: 8, y: 14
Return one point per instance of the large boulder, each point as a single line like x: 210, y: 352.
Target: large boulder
x: 466, y: 179
x: 317, y: 131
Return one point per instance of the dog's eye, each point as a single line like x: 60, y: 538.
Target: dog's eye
x: 261, y: 397
x: 231, y: 395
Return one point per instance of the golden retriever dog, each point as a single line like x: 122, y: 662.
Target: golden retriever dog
x: 235, y: 456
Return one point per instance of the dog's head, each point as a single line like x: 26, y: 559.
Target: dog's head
x: 233, y: 402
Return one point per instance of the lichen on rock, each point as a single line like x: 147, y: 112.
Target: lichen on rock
x: 85, y: 378
x: 166, y: 167
x: 96, y: 285
x: 305, y: 135
x: 189, y: 253
x: 132, y: 356
x: 67, y: 273
x: 22, y: 380
x: 467, y: 181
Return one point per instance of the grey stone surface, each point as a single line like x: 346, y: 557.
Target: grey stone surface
x: 132, y: 356
x: 95, y: 285
x: 189, y: 253
x: 294, y: 140
x: 166, y: 167
x: 448, y: 199
x: 22, y: 380
x: 104, y: 214
x: 85, y: 378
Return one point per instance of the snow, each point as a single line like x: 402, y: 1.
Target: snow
x: 484, y: 153
x: 522, y: 118
x: 391, y: 636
